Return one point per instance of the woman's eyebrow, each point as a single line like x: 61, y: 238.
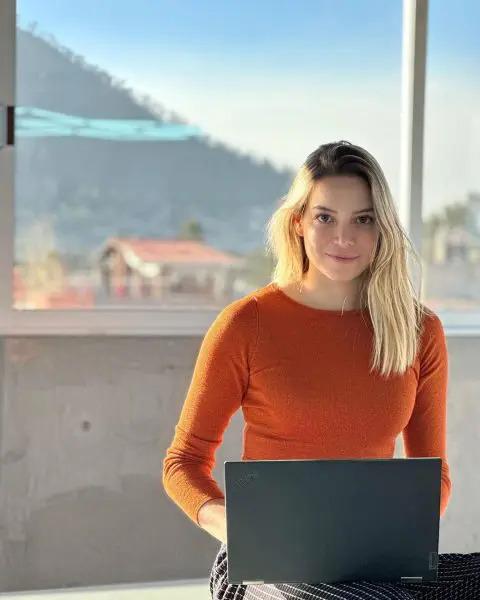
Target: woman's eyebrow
x: 355, y: 212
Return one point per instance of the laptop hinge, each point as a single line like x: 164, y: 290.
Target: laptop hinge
x: 411, y: 579
x: 254, y: 581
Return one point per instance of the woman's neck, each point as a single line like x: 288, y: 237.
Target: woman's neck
x: 328, y: 297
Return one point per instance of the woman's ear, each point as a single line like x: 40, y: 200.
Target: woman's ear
x: 297, y: 224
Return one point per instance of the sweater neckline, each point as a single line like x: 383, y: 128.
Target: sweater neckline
x: 316, y: 311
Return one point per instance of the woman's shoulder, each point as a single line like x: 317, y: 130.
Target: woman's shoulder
x: 239, y: 313
x: 247, y: 303
x: 242, y: 314
x: 432, y: 333
x: 430, y: 320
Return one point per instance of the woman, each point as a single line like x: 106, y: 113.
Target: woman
x: 334, y: 358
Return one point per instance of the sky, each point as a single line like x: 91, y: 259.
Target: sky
x: 277, y: 78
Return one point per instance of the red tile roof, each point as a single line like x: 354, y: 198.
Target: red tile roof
x: 152, y: 250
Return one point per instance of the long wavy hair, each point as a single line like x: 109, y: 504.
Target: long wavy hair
x: 386, y: 290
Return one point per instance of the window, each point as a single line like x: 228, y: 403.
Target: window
x: 451, y: 193
x: 151, y: 149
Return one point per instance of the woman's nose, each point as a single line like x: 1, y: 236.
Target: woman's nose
x: 344, y: 236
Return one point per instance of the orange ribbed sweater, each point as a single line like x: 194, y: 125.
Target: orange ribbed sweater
x: 301, y: 377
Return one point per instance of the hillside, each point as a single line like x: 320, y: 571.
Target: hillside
x: 90, y: 189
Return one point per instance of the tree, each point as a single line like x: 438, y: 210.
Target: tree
x: 455, y: 214
x: 191, y: 230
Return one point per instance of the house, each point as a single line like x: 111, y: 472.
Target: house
x: 455, y: 244
x: 166, y: 271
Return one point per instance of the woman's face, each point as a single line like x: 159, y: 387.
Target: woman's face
x: 335, y: 223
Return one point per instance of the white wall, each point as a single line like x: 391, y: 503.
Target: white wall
x: 85, y: 423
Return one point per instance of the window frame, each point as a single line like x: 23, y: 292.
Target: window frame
x: 194, y: 321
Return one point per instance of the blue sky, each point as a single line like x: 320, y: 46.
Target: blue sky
x: 277, y: 35
x: 276, y: 78
x: 342, y: 30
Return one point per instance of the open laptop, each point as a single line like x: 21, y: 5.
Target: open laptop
x: 335, y: 520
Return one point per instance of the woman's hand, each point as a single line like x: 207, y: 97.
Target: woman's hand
x: 213, y: 518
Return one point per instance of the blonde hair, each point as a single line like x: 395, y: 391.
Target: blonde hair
x: 386, y: 289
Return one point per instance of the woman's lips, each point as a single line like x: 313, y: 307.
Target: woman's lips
x: 340, y: 259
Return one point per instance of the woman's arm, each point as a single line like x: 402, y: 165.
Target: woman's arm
x: 425, y: 434
x: 219, y: 382
x: 212, y: 518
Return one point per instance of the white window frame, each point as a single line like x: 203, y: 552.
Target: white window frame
x: 194, y: 321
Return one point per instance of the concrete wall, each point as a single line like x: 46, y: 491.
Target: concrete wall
x: 85, y: 423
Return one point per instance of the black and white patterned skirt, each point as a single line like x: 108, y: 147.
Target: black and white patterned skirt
x: 458, y: 579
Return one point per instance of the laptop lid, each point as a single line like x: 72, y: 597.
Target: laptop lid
x: 311, y: 521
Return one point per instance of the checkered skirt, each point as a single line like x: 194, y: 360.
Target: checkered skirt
x: 458, y: 579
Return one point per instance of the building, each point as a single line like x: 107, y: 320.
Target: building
x: 167, y: 271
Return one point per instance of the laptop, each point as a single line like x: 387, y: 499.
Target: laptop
x: 335, y: 520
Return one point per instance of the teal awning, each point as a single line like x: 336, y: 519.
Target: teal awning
x: 37, y: 122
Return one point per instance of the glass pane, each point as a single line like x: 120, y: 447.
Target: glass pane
x: 154, y: 143
x: 451, y: 212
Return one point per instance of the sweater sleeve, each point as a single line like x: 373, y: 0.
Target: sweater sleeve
x: 219, y: 382
x: 425, y: 433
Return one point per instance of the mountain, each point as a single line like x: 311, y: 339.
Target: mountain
x: 90, y: 189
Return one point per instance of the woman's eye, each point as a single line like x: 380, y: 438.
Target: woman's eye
x: 322, y: 215
x: 319, y: 217
x: 367, y: 217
